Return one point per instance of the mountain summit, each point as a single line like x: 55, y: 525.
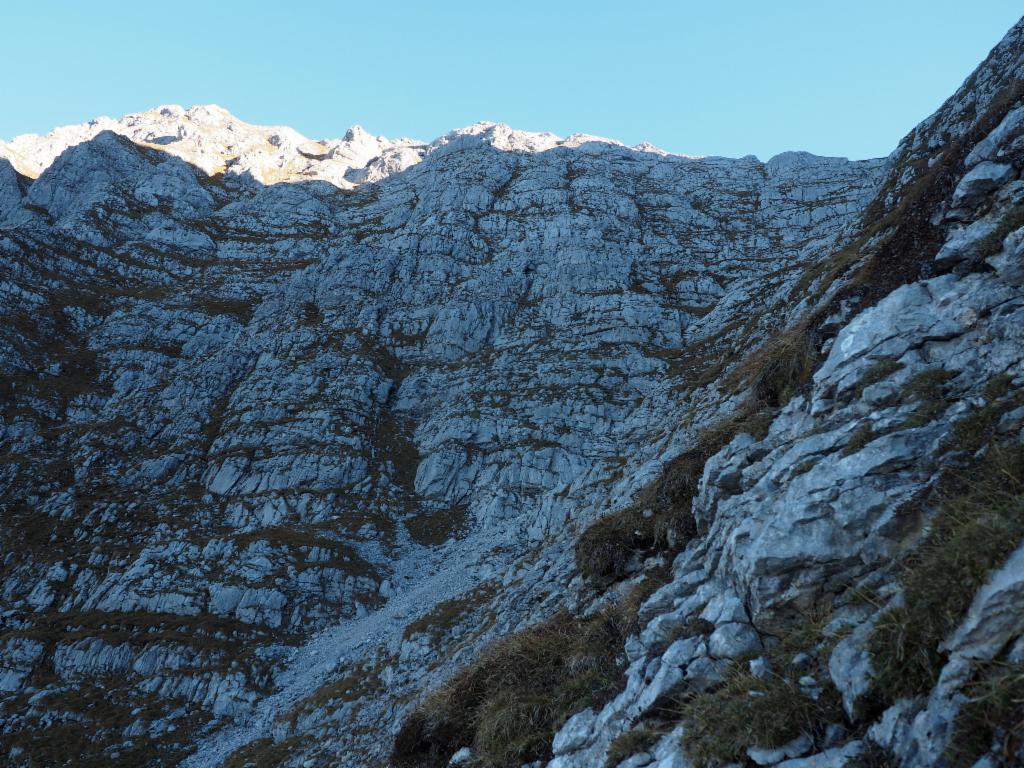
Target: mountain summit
x: 216, y: 141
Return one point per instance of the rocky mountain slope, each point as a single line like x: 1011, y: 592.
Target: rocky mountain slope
x: 507, y: 449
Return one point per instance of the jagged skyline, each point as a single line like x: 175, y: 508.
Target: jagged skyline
x: 730, y: 80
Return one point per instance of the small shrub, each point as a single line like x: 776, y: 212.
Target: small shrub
x: 991, y: 718
x: 631, y: 743
x: 978, y: 525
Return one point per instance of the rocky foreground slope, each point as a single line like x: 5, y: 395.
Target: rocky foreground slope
x: 507, y: 449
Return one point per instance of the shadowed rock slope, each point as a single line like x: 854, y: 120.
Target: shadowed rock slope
x: 520, y: 449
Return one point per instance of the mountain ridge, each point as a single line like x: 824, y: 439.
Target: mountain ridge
x: 286, y: 464
x: 209, y: 124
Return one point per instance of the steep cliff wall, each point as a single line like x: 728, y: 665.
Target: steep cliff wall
x: 279, y: 459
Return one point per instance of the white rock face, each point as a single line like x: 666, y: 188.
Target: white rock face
x: 791, y: 521
x: 296, y: 409
x: 281, y: 457
x: 211, y: 138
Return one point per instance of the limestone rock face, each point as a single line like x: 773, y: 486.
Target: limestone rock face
x: 828, y: 502
x: 247, y: 413
x: 291, y: 429
x: 214, y: 140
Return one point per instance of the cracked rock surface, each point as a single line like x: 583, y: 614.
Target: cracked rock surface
x: 291, y: 429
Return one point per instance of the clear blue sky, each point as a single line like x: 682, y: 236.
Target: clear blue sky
x: 731, y: 77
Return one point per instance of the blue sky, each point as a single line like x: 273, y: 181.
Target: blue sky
x: 729, y: 78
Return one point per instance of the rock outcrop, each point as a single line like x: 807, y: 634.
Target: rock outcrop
x: 292, y: 430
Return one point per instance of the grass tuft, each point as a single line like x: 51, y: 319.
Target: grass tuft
x: 991, y: 719
x: 768, y: 710
x: 781, y: 367
x: 927, y: 389
x: 508, y: 704
x: 880, y: 371
x: 631, y: 743
x: 992, y: 243
x: 861, y: 436
x: 661, y: 519
x: 976, y: 430
x: 980, y: 522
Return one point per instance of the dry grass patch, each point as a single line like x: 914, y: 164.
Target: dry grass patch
x: 766, y: 710
x: 631, y: 743
x: 437, y: 622
x: 880, y: 371
x: 980, y: 522
x: 992, y: 243
x: 780, y: 368
x: 660, y: 522
x: 263, y: 753
x: 976, y: 430
x: 508, y: 705
x: 991, y: 720
x: 861, y: 436
x: 928, y: 390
